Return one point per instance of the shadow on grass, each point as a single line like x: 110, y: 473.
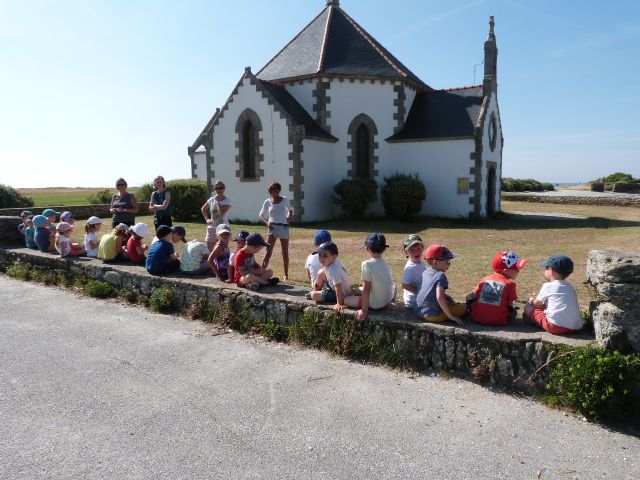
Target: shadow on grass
x: 504, y: 221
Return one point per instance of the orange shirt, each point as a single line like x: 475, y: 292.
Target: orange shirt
x: 493, y: 294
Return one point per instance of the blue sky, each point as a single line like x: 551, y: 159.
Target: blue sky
x: 90, y: 91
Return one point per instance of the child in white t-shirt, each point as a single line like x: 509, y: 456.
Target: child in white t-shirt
x: 312, y: 264
x: 412, y: 274
x: 64, y: 246
x: 333, y: 284
x: 91, y: 240
x: 555, y: 309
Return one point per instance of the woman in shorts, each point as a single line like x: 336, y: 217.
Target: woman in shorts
x: 276, y: 214
x: 215, y: 212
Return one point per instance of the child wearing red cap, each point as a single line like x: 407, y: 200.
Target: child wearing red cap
x: 432, y: 303
x: 493, y: 297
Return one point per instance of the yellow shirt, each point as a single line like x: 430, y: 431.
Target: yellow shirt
x: 107, y: 248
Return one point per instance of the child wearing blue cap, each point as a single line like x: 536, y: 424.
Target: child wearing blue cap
x: 555, y: 309
x: 312, y: 265
x: 43, y: 236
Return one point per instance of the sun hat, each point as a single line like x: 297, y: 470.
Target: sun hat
x: 437, y: 250
x: 376, y: 242
x: 241, y: 235
x: 93, y: 221
x: 142, y: 230
x: 327, y: 247
x: 26, y: 213
x: 508, y: 260
x: 66, y: 216
x: 256, y: 240
x: 180, y: 230
x: 162, y: 231
x: 40, y: 221
x: 122, y: 226
x: 222, y: 228
x: 322, y: 236
x: 559, y: 263
x: 49, y: 211
x: 64, y: 227
x: 412, y: 240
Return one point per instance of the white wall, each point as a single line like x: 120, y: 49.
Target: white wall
x: 200, y: 161
x: 489, y: 156
x: 247, y: 197
x: 304, y: 94
x: 318, y: 181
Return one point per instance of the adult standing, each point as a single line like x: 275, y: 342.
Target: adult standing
x: 160, y: 203
x: 215, y: 212
x: 276, y: 215
x: 124, y: 205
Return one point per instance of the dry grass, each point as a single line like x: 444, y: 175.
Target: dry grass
x: 476, y: 241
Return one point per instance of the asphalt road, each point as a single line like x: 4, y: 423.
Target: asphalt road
x: 92, y: 389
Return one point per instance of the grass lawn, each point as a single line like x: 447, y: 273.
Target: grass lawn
x: 47, y: 197
x: 533, y: 237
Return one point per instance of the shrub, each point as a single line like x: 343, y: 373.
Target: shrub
x: 275, y: 331
x: 598, y: 383
x: 620, y: 177
x: 130, y: 295
x: 163, y: 300
x: 524, y: 185
x: 200, y: 309
x: 19, y: 270
x: 548, y: 187
x: 403, y: 195
x: 187, y: 197
x: 11, y: 198
x: 143, y: 194
x: 354, y: 195
x: 100, y: 289
x: 100, y: 198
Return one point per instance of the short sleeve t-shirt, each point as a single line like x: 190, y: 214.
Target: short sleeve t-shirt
x: 426, y: 302
x: 193, y: 255
x: 159, y: 256
x: 29, y: 236
x: 493, y: 294
x: 378, y: 272
x: 276, y: 212
x: 337, y: 275
x: 107, y: 249
x: 42, y: 238
x: 63, y: 245
x: 561, y: 304
x: 91, y: 237
x: 313, y: 266
x: 412, y: 275
x: 242, y: 259
x: 213, y: 211
x: 132, y: 244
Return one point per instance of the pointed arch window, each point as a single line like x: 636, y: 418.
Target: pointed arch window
x: 363, y: 154
x: 248, y: 143
x: 363, y: 145
x: 249, y: 152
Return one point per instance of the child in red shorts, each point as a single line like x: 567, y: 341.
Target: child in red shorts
x: 492, y: 299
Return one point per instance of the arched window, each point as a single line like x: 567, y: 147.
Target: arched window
x: 249, y: 135
x: 363, y: 154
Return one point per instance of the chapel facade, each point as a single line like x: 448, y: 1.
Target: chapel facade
x: 334, y: 103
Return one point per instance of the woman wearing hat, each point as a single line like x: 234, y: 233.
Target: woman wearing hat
x: 124, y: 205
x: 276, y: 214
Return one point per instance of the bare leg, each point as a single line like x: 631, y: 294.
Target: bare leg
x: 353, y: 301
x: 284, y: 243
x: 254, y: 278
x: 271, y: 240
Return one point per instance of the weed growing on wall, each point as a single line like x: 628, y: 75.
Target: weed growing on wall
x: 100, y: 289
x: 163, y: 300
x: 19, y: 270
x: 129, y: 294
x: 598, y: 383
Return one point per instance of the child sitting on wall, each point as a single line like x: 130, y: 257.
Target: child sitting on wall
x: 30, y: 233
x: 112, y: 247
x: 247, y: 272
x: 241, y: 241
x: 43, y: 237
x: 64, y: 246
x: 162, y: 257
x: 218, y: 261
x: 91, y: 240
x: 313, y: 265
x: 333, y: 284
x: 135, y: 247
x: 413, y: 270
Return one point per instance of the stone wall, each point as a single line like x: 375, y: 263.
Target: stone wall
x: 513, y: 357
x: 621, y: 187
x: 616, y: 314
x: 80, y: 212
x: 9, y: 233
x: 609, y: 200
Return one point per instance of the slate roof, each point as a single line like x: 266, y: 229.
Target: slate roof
x: 334, y: 44
x: 442, y: 114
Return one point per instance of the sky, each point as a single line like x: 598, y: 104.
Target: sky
x: 94, y: 90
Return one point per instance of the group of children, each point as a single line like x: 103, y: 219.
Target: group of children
x: 555, y: 309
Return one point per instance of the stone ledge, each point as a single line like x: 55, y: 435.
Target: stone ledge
x: 509, y: 355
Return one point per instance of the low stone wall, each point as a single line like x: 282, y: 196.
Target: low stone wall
x: 513, y: 357
x: 616, y: 315
x: 609, y: 200
x: 621, y: 187
x: 9, y: 233
x: 80, y: 212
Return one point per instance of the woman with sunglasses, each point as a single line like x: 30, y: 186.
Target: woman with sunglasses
x: 216, y: 211
x: 124, y: 205
x: 276, y: 215
x: 160, y: 203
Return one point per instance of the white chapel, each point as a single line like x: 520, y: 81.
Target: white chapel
x: 334, y: 103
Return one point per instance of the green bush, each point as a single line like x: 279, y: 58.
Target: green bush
x: 598, y: 383
x: 187, y: 197
x: 524, y: 185
x: 100, y: 198
x: 548, y: 187
x: 19, y: 270
x: 403, y: 195
x: 100, y: 289
x: 163, y: 300
x: 11, y: 198
x: 143, y: 194
x: 275, y: 331
x: 354, y: 195
x: 620, y: 177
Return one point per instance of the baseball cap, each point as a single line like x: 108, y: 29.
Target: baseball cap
x: 437, y: 250
x: 180, y: 230
x: 560, y: 263
x: 222, y: 228
x: 163, y: 231
x: 26, y: 213
x: 64, y: 227
x: 412, y: 240
x: 93, y: 221
x: 241, y: 235
x: 49, y: 211
x: 141, y: 229
x: 376, y: 242
x: 256, y: 240
x: 508, y: 260
x: 40, y: 221
x: 66, y: 216
x: 327, y: 247
x: 322, y: 236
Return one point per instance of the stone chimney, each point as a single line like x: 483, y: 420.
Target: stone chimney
x: 490, y: 81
